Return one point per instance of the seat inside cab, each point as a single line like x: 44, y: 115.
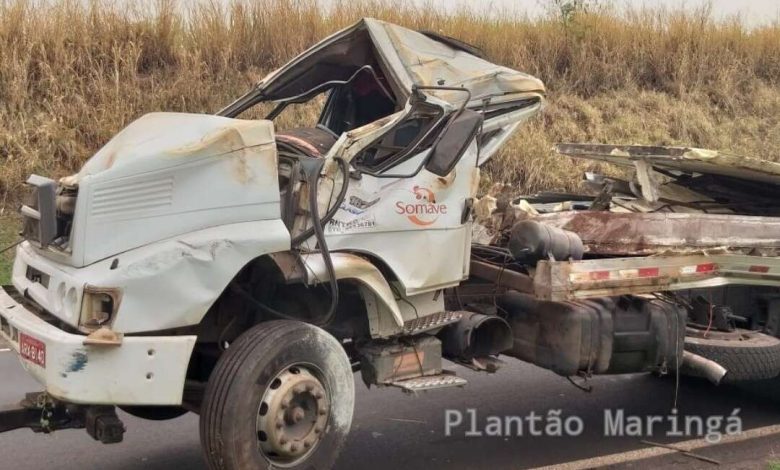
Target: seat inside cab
x: 361, y: 100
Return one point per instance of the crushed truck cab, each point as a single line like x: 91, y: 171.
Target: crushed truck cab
x: 227, y: 266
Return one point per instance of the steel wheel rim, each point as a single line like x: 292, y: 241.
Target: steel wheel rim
x: 292, y: 415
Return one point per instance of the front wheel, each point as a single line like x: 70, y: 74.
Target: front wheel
x: 282, y: 395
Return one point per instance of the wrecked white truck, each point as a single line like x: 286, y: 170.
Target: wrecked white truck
x: 217, y: 265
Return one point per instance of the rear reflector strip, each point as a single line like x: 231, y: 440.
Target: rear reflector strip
x: 640, y: 273
x: 759, y: 269
x: 649, y: 272
x: 705, y: 268
x: 615, y: 275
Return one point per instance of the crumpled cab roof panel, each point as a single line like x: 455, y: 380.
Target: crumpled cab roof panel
x: 408, y: 58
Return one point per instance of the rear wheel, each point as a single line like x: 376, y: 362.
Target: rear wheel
x: 282, y: 395
x: 746, y: 355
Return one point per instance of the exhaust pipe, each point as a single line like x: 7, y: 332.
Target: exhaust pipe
x: 475, y: 336
x: 703, y: 367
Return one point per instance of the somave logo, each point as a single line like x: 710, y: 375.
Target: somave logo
x: 424, y: 211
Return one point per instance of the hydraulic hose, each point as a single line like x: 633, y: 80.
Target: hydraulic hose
x: 312, y: 170
x: 344, y: 166
x: 319, y: 232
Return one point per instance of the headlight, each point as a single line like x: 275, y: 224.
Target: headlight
x: 99, y: 306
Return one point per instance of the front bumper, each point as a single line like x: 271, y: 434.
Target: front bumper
x: 143, y: 370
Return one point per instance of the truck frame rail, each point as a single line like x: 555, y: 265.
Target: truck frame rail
x: 571, y: 280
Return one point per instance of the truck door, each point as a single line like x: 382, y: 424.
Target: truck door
x: 400, y: 211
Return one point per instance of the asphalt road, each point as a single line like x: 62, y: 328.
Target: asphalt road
x: 392, y: 430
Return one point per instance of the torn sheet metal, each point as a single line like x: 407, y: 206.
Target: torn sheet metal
x: 388, y: 314
x: 410, y: 58
x: 610, y: 233
x: 684, y: 159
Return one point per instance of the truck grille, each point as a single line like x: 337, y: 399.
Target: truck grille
x: 47, y: 212
x: 119, y: 199
x: 39, y: 213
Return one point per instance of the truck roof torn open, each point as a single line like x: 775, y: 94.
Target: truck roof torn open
x: 403, y: 59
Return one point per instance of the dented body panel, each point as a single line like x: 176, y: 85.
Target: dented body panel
x: 156, y: 277
x: 141, y: 370
x: 355, y: 268
x: 168, y: 174
x: 411, y: 59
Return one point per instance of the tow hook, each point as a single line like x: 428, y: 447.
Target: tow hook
x: 41, y: 413
x: 104, y: 425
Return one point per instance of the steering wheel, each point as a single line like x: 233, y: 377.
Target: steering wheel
x: 325, y: 128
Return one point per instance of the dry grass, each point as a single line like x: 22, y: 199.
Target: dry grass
x: 72, y: 75
x: 8, y: 235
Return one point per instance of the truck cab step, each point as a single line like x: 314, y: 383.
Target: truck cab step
x: 430, y: 322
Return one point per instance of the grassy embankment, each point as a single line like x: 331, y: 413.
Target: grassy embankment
x: 72, y: 75
x: 8, y: 234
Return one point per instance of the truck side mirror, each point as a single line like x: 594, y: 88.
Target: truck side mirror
x: 453, y: 142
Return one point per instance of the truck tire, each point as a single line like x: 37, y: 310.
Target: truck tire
x: 756, y: 357
x: 282, y: 395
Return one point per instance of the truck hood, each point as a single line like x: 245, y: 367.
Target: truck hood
x: 157, y: 141
x: 169, y: 174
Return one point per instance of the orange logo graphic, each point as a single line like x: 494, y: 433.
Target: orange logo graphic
x: 424, y: 211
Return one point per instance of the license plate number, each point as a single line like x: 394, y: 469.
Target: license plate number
x: 32, y: 349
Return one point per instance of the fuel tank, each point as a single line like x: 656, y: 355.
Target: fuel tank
x: 609, y: 335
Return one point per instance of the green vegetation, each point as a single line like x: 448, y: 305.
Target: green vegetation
x: 8, y: 235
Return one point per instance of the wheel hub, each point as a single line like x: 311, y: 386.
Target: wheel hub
x: 292, y: 415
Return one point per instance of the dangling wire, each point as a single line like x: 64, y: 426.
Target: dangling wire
x: 15, y: 244
x: 585, y: 387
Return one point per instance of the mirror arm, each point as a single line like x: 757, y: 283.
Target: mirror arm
x: 418, y: 96
x: 454, y: 115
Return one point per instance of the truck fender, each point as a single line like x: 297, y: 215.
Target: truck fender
x: 384, y: 315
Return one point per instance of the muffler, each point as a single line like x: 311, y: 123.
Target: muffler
x: 699, y: 366
x: 475, y: 336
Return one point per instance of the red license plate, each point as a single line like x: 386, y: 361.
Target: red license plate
x: 32, y: 349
